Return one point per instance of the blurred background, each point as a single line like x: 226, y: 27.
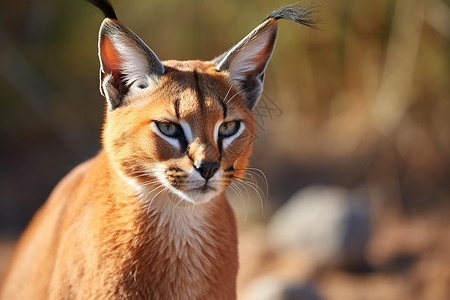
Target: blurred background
x: 353, y: 134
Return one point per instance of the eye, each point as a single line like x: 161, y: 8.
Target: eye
x: 229, y: 128
x: 169, y: 128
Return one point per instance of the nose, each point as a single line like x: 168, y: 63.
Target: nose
x: 207, y: 169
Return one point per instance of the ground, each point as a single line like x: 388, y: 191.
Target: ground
x: 408, y: 258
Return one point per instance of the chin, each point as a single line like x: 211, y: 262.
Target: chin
x: 198, y: 196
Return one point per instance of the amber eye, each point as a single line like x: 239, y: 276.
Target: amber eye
x: 169, y: 128
x: 229, y: 128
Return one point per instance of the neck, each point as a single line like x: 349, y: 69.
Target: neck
x: 164, y: 245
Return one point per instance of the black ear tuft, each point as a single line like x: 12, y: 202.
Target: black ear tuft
x: 127, y: 64
x: 106, y: 7
x: 299, y: 14
x: 246, y: 61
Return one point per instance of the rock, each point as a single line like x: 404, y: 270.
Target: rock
x: 274, y: 287
x: 329, y: 224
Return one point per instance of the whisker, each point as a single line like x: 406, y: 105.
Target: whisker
x: 181, y: 199
x: 240, y: 196
x: 248, y: 197
x: 237, y: 93
x: 225, y: 99
x: 245, y: 200
x: 146, y: 196
x: 121, y: 195
x: 164, y: 189
x: 157, y: 186
x: 130, y: 189
x: 256, y: 188
x: 253, y: 185
x: 118, y: 177
x: 260, y: 174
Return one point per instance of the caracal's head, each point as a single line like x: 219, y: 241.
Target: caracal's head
x: 186, y: 126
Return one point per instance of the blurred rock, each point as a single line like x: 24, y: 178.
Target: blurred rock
x: 329, y: 224
x: 274, y: 287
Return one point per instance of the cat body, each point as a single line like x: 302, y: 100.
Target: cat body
x: 78, y: 248
x: 147, y: 218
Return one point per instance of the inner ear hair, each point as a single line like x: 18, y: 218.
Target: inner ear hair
x: 113, y: 89
x: 126, y: 63
x: 246, y: 62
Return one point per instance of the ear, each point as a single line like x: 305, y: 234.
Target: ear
x: 246, y: 62
x: 127, y: 64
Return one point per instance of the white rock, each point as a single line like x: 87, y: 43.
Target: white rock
x: 329, y: 224
x: 274, y: 287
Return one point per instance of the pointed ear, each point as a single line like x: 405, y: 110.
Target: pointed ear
x: 127, y: 64
x: 246, y: 62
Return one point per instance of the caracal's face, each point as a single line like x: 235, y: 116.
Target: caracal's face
x: 190, y: 133
x: 184, y: 127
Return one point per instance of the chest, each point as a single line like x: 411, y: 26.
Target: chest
x: 173, y: 255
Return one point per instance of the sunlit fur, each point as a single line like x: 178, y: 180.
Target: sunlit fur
x: 134, y: 148
x: 140, y: 220
x: 107, y: 209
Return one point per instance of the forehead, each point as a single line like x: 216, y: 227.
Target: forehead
x: 194, y: 87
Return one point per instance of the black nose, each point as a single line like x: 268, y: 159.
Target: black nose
x: 207, y: 169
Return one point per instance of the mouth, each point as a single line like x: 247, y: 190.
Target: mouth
x: 203, y: 189
x: 193, y: 189
x: 201, y: 194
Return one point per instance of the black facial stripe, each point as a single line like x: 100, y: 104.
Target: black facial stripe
x: 176, y: 175
x: 183, y: 143
x: 220, y: 146
x: 174, y: 169
x: 201, y: 98
x: 175, y: 184
x: 187, y: 153
x: 224, y: 108
x: 172, y: 178
x: 230, y: 169
x: 177, y: 108
x: 181, y: 138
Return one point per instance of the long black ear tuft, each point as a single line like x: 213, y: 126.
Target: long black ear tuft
x: 106, y: 7
x: 303, y: 15
x: 246, y: 61
x: 127, y: 64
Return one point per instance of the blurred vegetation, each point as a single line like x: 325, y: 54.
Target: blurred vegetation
x: 364, y: 100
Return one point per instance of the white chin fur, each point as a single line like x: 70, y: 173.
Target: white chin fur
x: 198, y: 197
x: 193, y: 194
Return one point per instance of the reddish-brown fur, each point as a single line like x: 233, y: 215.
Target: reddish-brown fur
x: 147, y: 218
x: 92, y: 240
